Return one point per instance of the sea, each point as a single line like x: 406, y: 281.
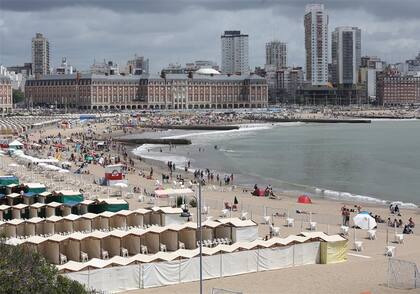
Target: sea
x: 377, y: 162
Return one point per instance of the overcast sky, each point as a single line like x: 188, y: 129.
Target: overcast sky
x: 180, y: 31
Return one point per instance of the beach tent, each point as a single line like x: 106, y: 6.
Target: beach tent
x: 53, y: 208
x: 5, y: 212
x: 112, y: 243
x: 109, y: 204
x: 50, y: 249
x: 91, y: 245
x: 84, y: 223
x: 131, y: 241
x: 188, y: 236
x: 20, y: 211
x: 51, y: 225
x: 14, y: 227
x: 70, y: 247
x: 164, y: 216
x: 334, y: 251
x: 151, y: 239
x: 364, y: 221
x: 209, y: 231
x: 35, y: 188
x: 68, y: 196
x: 7, y: 180
x: 304, y: 199
x: 37, y: 210
x: 138, y: 217
x: 84, y: 206
x: 170, y: 238
x: 241, y: 230
x: 34, y: 226
x: 33, y: 243
x: 119, y: 219
x: 102, y: 221
x: 44, y: 197
x: 29, y: 198
x: 13, y: 198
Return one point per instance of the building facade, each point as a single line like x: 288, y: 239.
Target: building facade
x: 316, y: 44
x: 6, y: 94
x: 235, y: 53
x: 396, y: 89
x: 370, y: 67
x: 174, y: 91
x: 276, y: 54
x: 284, y: 84
x: 346, y: 55
x: 64, y: 68
x: 137, y: 66
x: 40, y: 55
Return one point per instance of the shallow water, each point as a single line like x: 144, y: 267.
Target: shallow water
x: 380, y: 160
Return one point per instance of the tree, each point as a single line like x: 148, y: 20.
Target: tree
x: 22, y: 271
x: 18, y: 96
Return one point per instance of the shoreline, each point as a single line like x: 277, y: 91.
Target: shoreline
x: 317, y: 192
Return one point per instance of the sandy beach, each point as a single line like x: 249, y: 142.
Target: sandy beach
x: 364, y: 271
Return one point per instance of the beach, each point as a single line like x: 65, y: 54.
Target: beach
x: 364, y: 271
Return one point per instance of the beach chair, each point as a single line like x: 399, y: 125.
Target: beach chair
x: 390, y: 251
x: 228, y: 241
x: 358, y: 246
x: 399, y: 238
x: 224, y: 212
x: 234, y: 207
x: 227, y: 205
x: 124, y: 252
x: 162, y: 247
x: 312, y: 226
x: 144, y: 249
x: 104, y: 254
x: 275, y: 231
x: 290, y: 222
x: 63, y: 258
x: 83, y: 256
x: 344, y: 230
x: 372, y: 234
x: 266, y: 219
x: 244, y: 215
x: 181, y: 245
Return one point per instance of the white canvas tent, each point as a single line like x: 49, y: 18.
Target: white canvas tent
x: 36, y: 209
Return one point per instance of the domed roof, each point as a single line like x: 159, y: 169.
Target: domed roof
x: 207, y: 71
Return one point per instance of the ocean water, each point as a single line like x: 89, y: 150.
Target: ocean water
x: 377, y: 162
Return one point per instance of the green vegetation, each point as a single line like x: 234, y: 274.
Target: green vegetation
x: 22, y: 272
x: 18, y: 96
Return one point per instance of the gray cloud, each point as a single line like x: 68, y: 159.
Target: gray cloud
x: 185, y: 30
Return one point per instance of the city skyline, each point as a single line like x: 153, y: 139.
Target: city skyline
x: 190, y: 30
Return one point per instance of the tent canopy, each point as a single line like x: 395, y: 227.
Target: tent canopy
x: 364, y: 221
x: 305, y: 199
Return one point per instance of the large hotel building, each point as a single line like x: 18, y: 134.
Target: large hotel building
x: 6, y: 102
x: 206, y: 88
x: 397, y: 89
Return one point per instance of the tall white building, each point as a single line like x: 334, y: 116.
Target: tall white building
x: 235, y: 53
x: 316, y: 44
x: 40, y: 55
x: 346, y: 55
x: 276, y: 54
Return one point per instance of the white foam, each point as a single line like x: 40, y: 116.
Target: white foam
x: 336, y: 195
x: 243, y: 128
x: 405, y: 205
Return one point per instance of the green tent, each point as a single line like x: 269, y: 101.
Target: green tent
x: 113, y: 205
x: 8, y: 180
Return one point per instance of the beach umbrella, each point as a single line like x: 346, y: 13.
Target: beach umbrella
x: 235, y: 201
x: 364, y: 221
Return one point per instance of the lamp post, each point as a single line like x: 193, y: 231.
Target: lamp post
x: 200, y: 230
